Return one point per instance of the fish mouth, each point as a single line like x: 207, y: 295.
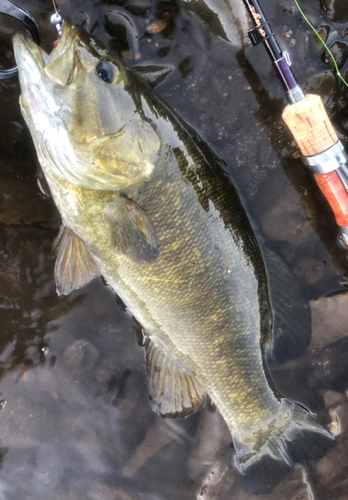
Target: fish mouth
x: 29, y: 56
x: 33, y: 60
x: 65, y: 43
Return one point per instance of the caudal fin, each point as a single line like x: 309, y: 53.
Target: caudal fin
x: 294, y: 436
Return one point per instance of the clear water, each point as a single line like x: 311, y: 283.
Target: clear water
x: 74, y: 418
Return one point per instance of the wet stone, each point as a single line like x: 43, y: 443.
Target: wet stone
x: 324, y: 32
x: 340, y: 52
x: 337, y: 10
x: 329, y: 320
x: 309, y: 270
x: 332, y: 398
x: 334, y: 426
x: 137, y: 7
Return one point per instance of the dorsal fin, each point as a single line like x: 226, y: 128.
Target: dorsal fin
x: 174, y: 390
x: 291, y: 312
x: 75, y: 265
x: 153, y: 73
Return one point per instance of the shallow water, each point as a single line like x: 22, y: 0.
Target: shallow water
x: 74, y: 418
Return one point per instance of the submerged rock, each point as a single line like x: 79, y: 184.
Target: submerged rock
x: 309, y: 269
x: 80, y: 356
x: 340, y: 52
x: 337, y: 10
x: 329, y: 320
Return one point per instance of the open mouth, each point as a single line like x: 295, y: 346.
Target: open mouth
x: 30, y: 56
x: 64, y: 43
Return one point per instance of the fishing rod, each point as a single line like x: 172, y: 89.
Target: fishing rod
x: 309, y: 123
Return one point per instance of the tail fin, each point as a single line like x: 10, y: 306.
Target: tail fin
x: 293, y: 436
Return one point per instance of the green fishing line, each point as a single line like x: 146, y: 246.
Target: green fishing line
x: 322, y: 41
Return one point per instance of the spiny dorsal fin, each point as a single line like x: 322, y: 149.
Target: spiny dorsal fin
x: 152, y: 73
x: 75, y: 266
x: 132, y: 232
x: 174, y: 390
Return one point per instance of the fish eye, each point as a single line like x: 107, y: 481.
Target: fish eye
x: 106, y: 71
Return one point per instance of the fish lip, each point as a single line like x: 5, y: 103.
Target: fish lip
x: 65, y: 41
x: 29, y: 56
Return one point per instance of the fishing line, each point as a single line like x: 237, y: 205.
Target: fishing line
x: 322, y: 41
x: 55, y: 6
x: 56, y: 19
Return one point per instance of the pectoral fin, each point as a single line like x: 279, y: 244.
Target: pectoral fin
x: 75, y: 266
x: 174, y: 390
x: 131, y: 231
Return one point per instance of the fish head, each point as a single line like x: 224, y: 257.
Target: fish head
x: 85, y: 112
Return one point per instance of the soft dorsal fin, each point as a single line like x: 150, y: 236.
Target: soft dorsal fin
x: 132, y: 232
x: 174, y: 390
x: 291, y: 311
x: 75, y: 265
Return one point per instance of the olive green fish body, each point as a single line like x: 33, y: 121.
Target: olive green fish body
x: 147, y: 206
x: 202, y: 294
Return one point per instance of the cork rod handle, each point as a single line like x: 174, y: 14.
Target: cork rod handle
x: 310, y: 125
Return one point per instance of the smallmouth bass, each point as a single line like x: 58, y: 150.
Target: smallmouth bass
x: 145, y: 204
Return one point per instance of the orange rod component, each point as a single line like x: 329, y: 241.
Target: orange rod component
x: 332, y: 188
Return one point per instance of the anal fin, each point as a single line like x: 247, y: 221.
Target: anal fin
x: 174, y: 390
x: 75, y: 265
